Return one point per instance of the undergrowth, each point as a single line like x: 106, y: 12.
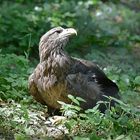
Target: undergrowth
x: 13, y: 76
x: 98, y: 22
x: 120, y: 123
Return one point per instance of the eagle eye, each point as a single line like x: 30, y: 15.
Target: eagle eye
x: 59, y: 31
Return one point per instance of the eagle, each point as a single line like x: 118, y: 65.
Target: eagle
x: 58, y: 74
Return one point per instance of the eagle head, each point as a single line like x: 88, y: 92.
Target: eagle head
x: 55, y: 40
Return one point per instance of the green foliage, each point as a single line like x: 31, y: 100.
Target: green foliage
x: 20, y: 137
x: 16, y: 120
x: 101, y: 24
x: 13, y: 76
x: 123, y: 121
x: 119, y: 122
x: 71, y: 110
x: 122, y: 70
x: 98, y: 24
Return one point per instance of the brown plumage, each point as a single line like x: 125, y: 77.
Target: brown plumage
x: 59, y: 74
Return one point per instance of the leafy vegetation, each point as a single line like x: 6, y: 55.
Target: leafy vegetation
x: 98, y: 23
x: 108, y: 34
x: 13, y: 76
x: 121, y: 122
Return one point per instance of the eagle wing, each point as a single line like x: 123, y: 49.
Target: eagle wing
x: 88, y: 81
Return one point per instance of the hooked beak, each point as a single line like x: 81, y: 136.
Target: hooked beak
x: 68, y: 32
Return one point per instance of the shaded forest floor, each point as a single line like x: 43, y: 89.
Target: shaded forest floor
x: 23, y: 118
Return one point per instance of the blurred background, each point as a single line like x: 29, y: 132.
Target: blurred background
x: 100, y: 23
x: 108, y: 33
